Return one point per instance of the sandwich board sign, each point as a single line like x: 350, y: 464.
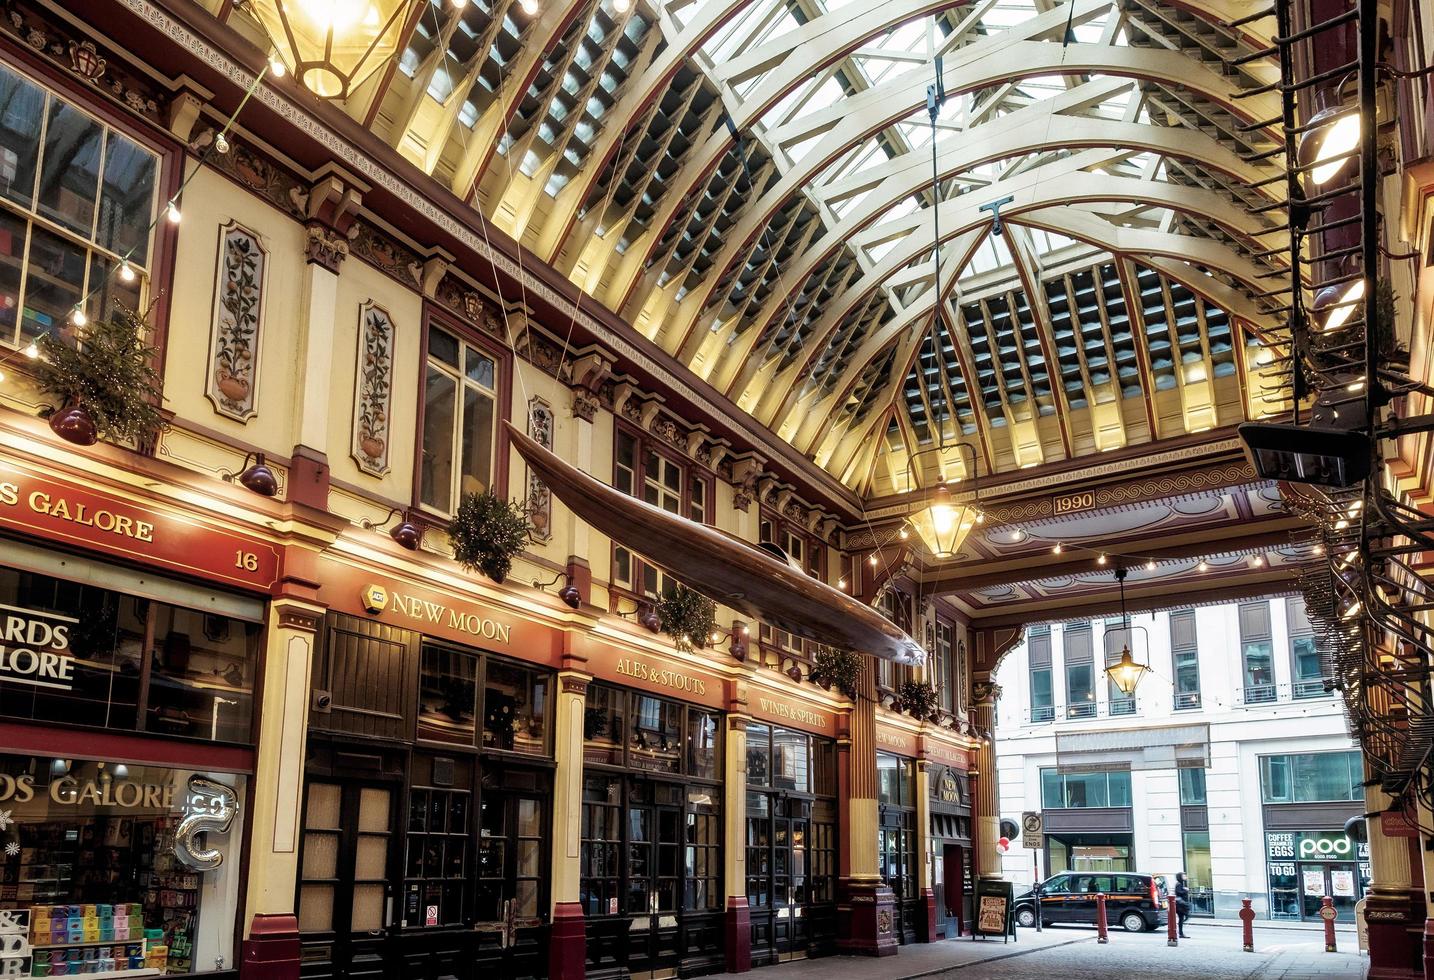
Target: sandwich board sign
x: 993, y: 910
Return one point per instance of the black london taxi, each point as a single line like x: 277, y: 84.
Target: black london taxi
x: 1133, y: 902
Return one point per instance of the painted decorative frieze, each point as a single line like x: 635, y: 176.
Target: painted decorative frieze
x: 373, y: 389
x: 233, y: 383
x: 540, y: 498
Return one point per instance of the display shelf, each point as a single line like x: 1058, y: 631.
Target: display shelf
x: 146, y: 971
x: 97, y: 942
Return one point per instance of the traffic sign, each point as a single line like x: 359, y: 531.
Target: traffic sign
x: 1032, y: 832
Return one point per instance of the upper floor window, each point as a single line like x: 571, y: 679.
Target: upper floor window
x: 1185, y: 659
x: 1080, y: 672
x: 805, y: 550
x: 1258, y: 652
x: 1312, y: 777
x: 946, y: 668
x: 1042, y: 693
x: 640, y: 470
x: 1192, y: 786
x: 1078, y: 790
x: 1306, y: 664
x: 460, y: 417
x: 77, y: 199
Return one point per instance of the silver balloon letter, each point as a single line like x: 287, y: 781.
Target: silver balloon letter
x: 209, y: 809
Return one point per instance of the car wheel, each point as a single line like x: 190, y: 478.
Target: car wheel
x: 1025, y: 918
x: 1133, y: 922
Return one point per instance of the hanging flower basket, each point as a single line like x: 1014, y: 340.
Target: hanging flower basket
x: 103, y: 381
x: 919, y: 699
x: 839, y: 667
x: 687, y: 616
x: 488, y: 532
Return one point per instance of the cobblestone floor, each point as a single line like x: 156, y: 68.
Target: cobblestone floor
x: 1211, y: 953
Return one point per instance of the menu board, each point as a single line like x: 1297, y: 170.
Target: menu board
x: 1342, y: 883
x: 993, y: 909
x: 1314, y: 882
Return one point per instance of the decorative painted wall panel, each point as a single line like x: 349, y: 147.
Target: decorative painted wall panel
x: 540, y: 498
x: 373, y: 389
x: 233, y: 379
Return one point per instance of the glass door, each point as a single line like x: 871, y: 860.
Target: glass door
x: 1337, y: 879
x: 509, y: 899
x: 791, y: 833
x: 345, y: 917
x: 655, y: 880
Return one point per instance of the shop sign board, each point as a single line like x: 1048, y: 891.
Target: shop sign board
x: 76, y: 515
x: 35, y: 648
x: 947, y: 755
x: 896, y: 741
x: 791, y: 713
x: 993, y: 909
x: 1316, y: 845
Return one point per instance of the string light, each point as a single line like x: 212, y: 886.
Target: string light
x: 872, y: 560
x: 1150, y: 565
x: 171, y: 212
x: 903, y: 533
x: 621, y: 6
x: 841, y: 583
x: 32, y: 350
x: 276, y: 67
x: 1204, y: 566
x: 78, y: 318
x: 1101, y: 559
x: 1057, y: 549
x: 126, y: 271
x: 530, y: 7
x: 1257, y: 560
x: 221, y: 143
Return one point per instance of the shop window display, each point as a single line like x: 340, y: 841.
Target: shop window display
x: 514, y: 704
x: 107, y: 867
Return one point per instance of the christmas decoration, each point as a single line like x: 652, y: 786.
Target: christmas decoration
x: 918, y: 699
x: 839, y: 667
x: 487, y: 532
x: 12, y: 849
x: 5, y: 819
x: 687, y: 616
x: 106, y: 375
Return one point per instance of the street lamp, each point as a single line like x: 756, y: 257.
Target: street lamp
x: 1125, y: 674
x: 332, y: 46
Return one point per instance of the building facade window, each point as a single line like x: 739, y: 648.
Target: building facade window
x: 1257, y: 653
x: 1307, y: 670
x: 1185, y: 659
x: 77, y: 199
x: 641, y: 470
x: 1312, y: 777
x: 461, y: 386
x: 807, y: 551
x: 1192, y: 786
x: 1080, y: 672
x: 1076, y: 791
x: 1042, y: 691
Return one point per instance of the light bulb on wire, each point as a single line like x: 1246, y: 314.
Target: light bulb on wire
x: 171, y: 212
x: 78, y: 318
x: 126, y: 272
x: 221, y: 143
x: 32, y: 350
x: 1057, y: 549
x: 276, y: 67
x: 621, y: 6
x: 530, y: 7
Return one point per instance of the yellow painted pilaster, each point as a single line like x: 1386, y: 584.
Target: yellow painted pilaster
x: 734, y: 807
x: 568, y: 785
x: 276, y: 794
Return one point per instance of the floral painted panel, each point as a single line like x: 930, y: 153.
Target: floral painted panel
x: 540, y: 498
x: 373, y: 389
x: 233, y: 383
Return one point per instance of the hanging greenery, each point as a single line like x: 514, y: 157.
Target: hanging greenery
x: 918, y: 699
x: 1390, y: 350
x: 107, y: 372
x: 488, y: 532
x: 839, y: 667
x: 687, y: 616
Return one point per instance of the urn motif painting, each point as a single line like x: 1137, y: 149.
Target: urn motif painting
x: 373, y: 389
x: 233, y: 380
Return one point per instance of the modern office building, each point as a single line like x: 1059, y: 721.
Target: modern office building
x: 1232, y: 762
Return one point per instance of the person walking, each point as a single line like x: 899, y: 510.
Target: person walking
x: 1182, y: 901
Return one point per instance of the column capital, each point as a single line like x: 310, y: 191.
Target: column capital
x: 298, y: 614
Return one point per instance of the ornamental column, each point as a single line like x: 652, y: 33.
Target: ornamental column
x: 567, y: 943
x: 270, y: 949
x: 589, y: 372
x: 986, y: 816
x: 926, y: 887
x: 1392, y: 908
x: 865, y: 904
x: 331, y: 209
x: 734, y: 810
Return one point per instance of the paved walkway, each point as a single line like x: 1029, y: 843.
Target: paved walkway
x: 1211, y: 953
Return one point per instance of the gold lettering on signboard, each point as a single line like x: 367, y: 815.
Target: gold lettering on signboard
x: 661, y: 676
x: 1071, y: 502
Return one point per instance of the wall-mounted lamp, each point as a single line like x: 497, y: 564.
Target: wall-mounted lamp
x: 405, y: 532
x: 570, y: 594
x: 255, y: 476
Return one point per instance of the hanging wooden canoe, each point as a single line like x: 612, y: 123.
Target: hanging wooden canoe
x: 763, y: 584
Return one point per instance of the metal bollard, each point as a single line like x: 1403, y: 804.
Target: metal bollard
x: 1328, y: 913
x: 1172, y: 922
x: 1247, y: 916
x: 1101, y: 933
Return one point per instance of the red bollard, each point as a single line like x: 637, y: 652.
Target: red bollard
x: 1172, y: 922
x: 1247, y: 916
x: 1101, y: 935
x: 1327, y: 913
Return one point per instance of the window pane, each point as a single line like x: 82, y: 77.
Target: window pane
x: 702, y: 744
x: 1041, y: 694
x: 1192, y: 786
x: 447, y: 691
x: 21, y: 108
x: 477, y: 440
x: 791, y: 760
x: 438, y: 409
x: 515, y: 709
x: 758, y: 755
x: 126, y: 199
x: 70, y: 168
x: 1119, y: 789
x: 1051, y: 790
x: 12, y: 254
x: 106, y: 290
x: 480, y: 368
x: 54, y: 278
x: 442, y: 346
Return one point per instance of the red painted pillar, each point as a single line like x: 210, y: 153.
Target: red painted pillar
x: 1247, y: 916
x: 1429, y: 949
x: 568, y: 942
x: 1327, y: 913
x: 1172, y: 924
x: 272, y: 950
x: 739, y: 935
x: 1102, y: 934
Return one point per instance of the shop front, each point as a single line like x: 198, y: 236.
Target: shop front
x: 791, y: 843
x: 126, y: 706
x: 427, y: 801
x: 950, y: 848
x: 1304, y: 866
x: 651, y: 882
x: 897, y: 851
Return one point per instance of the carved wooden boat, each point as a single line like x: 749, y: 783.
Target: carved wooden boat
x: 762, y: 584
